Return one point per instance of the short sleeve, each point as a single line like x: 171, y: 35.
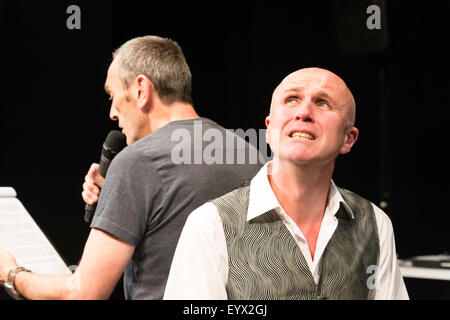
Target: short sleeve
x: 130, y: 192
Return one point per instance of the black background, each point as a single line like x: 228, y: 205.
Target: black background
x: 54, y: 112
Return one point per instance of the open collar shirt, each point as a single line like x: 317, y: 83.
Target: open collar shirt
x: 200, y: 266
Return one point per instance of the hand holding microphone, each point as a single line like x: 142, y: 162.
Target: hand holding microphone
x: 93, y: 182
x: 114, y: 143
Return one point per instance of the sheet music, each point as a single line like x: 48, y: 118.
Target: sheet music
x: 21, y: 236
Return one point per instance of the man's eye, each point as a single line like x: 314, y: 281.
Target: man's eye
x: 291, y: 99
x: 323, y: 104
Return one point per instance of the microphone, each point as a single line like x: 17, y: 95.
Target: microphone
x: 114, y: 143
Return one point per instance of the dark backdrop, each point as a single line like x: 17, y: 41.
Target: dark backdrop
x: 54, y: 113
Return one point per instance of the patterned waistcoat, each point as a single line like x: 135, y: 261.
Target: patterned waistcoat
x: 266, y: 263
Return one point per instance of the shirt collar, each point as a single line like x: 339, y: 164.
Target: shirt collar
x: 262, y: 198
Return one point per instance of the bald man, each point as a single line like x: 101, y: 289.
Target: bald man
x: 291, y: 233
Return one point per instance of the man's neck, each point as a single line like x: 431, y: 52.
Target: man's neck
x: 176, y: 111
x: 302, y: 190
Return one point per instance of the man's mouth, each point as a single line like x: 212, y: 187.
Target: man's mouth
x: 301, y: 135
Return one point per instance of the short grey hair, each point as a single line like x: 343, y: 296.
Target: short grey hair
x: 162, y: 61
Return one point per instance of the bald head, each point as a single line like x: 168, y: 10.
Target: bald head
x: 311, y: 119
x: 326, y: 80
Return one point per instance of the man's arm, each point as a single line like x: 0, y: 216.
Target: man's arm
x: 103, y: 262
x: 389, y: 277
x: 199, y: 268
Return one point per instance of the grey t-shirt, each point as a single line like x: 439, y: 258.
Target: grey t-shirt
x: 156, y: 182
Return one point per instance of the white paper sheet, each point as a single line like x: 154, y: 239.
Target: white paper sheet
x: 21, y: 236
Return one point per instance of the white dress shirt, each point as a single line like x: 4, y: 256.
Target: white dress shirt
x: 200, y: 265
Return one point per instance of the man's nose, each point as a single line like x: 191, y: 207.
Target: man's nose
x: 113, y: 114
x: 305, y: 111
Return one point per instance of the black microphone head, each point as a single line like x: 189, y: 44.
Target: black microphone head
x: 114, y: 143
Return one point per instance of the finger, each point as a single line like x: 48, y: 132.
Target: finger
x: 93, y: 171
x: 89, y: 198
x: 99, y: 180
x: 93, y: 176
x: 91, y: 188
x: 88, y: 179
x: 85, y: 197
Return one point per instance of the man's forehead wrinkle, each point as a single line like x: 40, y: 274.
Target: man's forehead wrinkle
x: 325, y: 80
x: 300, y: 80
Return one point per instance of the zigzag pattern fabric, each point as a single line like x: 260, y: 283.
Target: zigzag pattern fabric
x: 265, y: 263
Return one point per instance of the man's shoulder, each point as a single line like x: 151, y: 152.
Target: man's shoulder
x: 235, y: 199
x: 133, y: 159
x: 355, y: 201
x: 162, y: 140
x: 150, y: 146
x: 204, y: 217
x: 381, y: 217
x: 242, y: 187
x: 188, y: 124
x: 348, y: 194
x: 130, y: 153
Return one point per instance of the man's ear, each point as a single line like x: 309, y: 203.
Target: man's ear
x: 350, y: 139
x: 267, y: 130
x: 144, y: 91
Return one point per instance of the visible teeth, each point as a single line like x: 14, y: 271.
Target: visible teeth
x: 302, y: 135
